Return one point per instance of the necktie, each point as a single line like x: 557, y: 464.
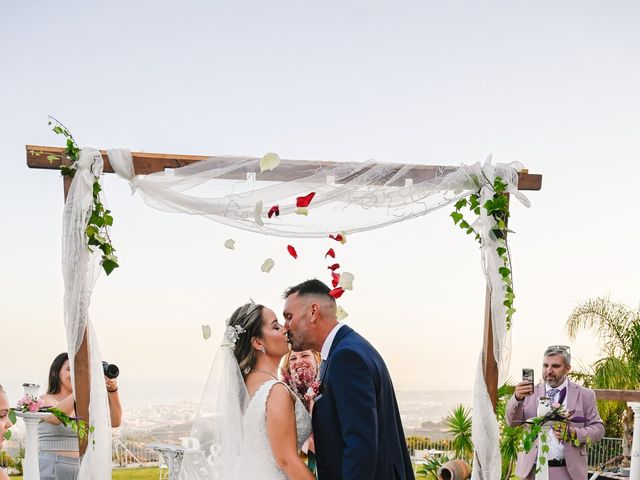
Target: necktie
x: 552, y: 393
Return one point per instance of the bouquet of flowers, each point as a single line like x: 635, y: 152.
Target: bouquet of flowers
x: 559, y: 419
x: 30, y: 403
x: 303, y: 383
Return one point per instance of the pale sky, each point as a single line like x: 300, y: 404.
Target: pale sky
x: 553, y: 85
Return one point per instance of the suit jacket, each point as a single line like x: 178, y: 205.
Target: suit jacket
x: 356, y: 423
x: 580, y: 399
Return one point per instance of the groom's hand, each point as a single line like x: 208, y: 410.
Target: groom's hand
x: 523, y: 389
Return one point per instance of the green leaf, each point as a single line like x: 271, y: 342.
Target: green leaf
x: 464, y: 224
x: 456, y: 217
x: 109, y: 265
x: 7, y: 435
x: 504, y: 271
x: 91, y: 231
x: 545, y: 448
x: 108, y: 219
x: 501, y: 251
x: 96, y: 188
x: 542, y: 460
x: 461, y: 203
x: 12, y: 416
x: 474, y: 202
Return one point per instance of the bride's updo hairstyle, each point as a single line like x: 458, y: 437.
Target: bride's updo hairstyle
x: 249, y: 318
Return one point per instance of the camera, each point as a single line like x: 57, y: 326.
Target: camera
x: 110, y: 370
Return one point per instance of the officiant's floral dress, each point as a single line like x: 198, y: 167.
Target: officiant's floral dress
x: 257, y: 458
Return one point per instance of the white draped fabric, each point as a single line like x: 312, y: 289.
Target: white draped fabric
x: 80, y: 269
x: 349, y: 198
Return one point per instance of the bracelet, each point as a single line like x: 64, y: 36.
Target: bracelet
x: 112, y: 391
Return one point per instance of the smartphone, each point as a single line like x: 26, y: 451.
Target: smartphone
x: 527, y: 375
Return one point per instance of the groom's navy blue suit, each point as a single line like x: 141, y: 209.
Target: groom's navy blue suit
x: 356, y: 424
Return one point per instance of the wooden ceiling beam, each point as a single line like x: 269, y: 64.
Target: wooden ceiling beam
x: 144, y: 163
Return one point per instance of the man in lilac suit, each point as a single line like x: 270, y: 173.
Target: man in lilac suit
x: 566, y: 461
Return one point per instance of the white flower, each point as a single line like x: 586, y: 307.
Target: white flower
x: 302, y: 211
x: 232, y: 333
x: 230, y: 244
x: 269, y: 162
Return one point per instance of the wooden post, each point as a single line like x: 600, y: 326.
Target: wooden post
x: 82, y: 371
x: 489, y: 364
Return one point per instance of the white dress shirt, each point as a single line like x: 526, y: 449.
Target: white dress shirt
x: 556, y: 448
x: 326, y: 346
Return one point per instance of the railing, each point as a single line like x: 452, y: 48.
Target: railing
x: 422, y: 449
x: 603, y: 451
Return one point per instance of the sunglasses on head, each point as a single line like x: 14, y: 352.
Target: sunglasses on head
x: 564, y: 348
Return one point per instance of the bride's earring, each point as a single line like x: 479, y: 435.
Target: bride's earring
x: 262, y: 349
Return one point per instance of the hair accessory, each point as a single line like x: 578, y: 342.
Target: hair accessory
x: 231, y: 335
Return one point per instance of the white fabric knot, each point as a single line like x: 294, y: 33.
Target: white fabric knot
x: 122, y: 163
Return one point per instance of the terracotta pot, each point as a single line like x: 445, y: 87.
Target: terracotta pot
x: 454, y: 470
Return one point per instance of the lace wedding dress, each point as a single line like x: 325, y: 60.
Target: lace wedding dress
x: 257, y: 458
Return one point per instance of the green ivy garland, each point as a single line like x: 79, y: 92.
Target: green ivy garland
x: 100, y: 221
x: 76, y: 424
x: 498, y: 208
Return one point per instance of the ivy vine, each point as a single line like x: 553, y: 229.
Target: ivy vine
x: 496, y: 207
x: 76, y: 424
x: 100, y: 220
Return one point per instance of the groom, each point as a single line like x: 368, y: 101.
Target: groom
x: 356, y: 425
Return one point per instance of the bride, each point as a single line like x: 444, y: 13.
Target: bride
x: 250, y: 425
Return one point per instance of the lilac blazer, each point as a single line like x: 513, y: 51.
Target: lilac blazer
x: 580, y: 399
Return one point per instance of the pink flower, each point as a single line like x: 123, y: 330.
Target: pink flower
x: 33, y: 407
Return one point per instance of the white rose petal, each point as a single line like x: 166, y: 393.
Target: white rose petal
x: 206, y: 332
x: 341, y: 313
x: 302, y: 211
x: 346, y: 280
x: 257, y: 213
x: 267, y: 265
x: 269, y: 162
x: 230, y: 244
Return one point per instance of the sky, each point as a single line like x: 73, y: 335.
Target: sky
x: 553, y: 85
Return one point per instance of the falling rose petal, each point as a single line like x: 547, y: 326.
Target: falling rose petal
x: 206, y: 332
x: 267, y: 265
x: 275, y: 210
x: 340, y: 237
x: 230, y: 244
x: 341, y: 313
x: 346, y: 280
x: 257, y: 213
x: 337, y: 292
x: 269, y: 162
x: 334, y: 267
x: 305, y: 201
x: 302, y: 211
x: 335, y: 279
x: 292, y: 251
x: 330, y: 253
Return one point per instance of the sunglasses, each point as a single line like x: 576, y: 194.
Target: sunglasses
x: 564, y: 348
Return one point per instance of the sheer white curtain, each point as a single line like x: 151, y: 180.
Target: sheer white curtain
x: 80, y: 269
x: 350, y: 198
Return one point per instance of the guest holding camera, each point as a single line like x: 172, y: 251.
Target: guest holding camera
x: 566, y: 461
x: 58, y: 445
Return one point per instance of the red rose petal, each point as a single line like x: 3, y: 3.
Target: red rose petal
x: 292, y: 251
x: 335, y: 279
x: 305, y: 201
x: 334, y: 267
x: 330, y: 253
x: 337, y: 292
x: 275, y: 210
x: 337, y: 238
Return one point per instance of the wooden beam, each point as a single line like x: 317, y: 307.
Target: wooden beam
x: 618, y: 395
x: 489, y: 364
x: 145, y: 163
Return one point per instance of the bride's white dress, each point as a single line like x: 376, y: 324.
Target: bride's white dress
x: 257, y: 458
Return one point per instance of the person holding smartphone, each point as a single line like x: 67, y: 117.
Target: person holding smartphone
x: 566, y: 461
